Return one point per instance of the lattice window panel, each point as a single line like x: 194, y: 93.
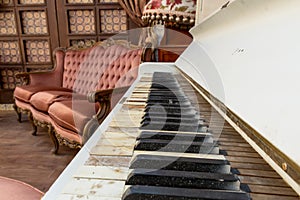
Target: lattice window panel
x: 83, y: 43
x: 6, y: 2
x: 34, y: 22
x: 8, y: 80
x: 108, y: 1
x: 37, y: 51
x: 32, y: 1
x: 10, y: 52
x: 81, y: 21
x: 7, y: 23
x: 80, y: 1
x: 113, y: 21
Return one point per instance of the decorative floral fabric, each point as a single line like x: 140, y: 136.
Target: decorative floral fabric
x: 188, y: 6
x: 171, y: 13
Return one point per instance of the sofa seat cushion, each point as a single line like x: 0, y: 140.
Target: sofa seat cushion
x: 25, y: 92
x: 72, y: 115
x: 42, y: 100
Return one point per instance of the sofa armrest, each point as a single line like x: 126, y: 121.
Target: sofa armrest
x: 103, y: 97
x: 29, y: 77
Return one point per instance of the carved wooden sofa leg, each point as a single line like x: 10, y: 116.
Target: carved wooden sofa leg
x: 34, y: 126
x: 51, y: 133
x: 19, y: 113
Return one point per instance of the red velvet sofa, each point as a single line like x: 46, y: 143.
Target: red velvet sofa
x: 76, y: 96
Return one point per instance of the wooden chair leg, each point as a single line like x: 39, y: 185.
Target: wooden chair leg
x: 51, y: 133
x: 34, y: 126
x: 19, y: 113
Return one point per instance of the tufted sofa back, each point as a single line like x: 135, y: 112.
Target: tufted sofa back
x: 100, y: 68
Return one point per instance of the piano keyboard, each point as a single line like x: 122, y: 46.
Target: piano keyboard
x: 159, y: 146
x: 177, y: 176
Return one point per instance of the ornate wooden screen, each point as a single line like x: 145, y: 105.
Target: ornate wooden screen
x: 83, y: 22
x: 31, y: 29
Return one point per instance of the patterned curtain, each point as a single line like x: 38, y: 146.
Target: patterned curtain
x: 134, y: 8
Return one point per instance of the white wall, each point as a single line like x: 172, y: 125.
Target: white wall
x: 252, y: 49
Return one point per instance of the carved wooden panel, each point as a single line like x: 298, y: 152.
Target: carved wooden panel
x: 31, y: 1
x: 6, y: 2
x: 113, y: 21
x: 95, y: 19
x: 34, y: 22
x: 81, y: 21
x: 9, y: 52
x: 8, y: 79
x: 7, y: 23
x: 26, y: 41
x: 80, y: 1
x: 83, y: 43
x: 37, y: 51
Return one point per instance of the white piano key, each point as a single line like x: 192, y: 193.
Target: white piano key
x: 102, y: 172
x: 95, y: 187
x: 136, y: 104
x: 176, y: 154
x: 116, y: 142
x: 84, y: 197
x: 111, y: 161
x: 119, y: 135
x: 125, y: 123
x: 112, y: 150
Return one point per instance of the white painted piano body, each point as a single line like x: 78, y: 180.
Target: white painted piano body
x: 247, y: 56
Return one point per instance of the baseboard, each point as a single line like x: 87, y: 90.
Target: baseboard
x: 6, y: 107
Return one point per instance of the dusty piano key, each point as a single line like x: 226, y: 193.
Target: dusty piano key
x: 180, y: 164
x: 162, y: 117
x: 140, y: 192
x: 169, y: 127
x: 176, y: 136
x: 172, y: 178
x: 177, y: 104
x: 164, y: 86
x: 169, y: 119
x: 176, y: 146
x: 177, y: 115
x: 159, y: 93
x: 170, y: 110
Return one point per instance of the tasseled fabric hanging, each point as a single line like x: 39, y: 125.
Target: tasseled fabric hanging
x: 170, y: 13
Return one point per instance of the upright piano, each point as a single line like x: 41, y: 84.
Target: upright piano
x: 169, y: 139
x: 164, y: 140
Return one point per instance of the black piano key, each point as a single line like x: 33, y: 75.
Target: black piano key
x: 176, y: 146
x: 169, y: 127
x: 175, y: 115
x: 169, y: 120
x: 179, y: 136
x: 172, y: 178
x: 140, y: 192
x: 162, y: 117
x: 180, y: 164
x: 159, y: 93
x: 169, y: 110
x: 165, y: 86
